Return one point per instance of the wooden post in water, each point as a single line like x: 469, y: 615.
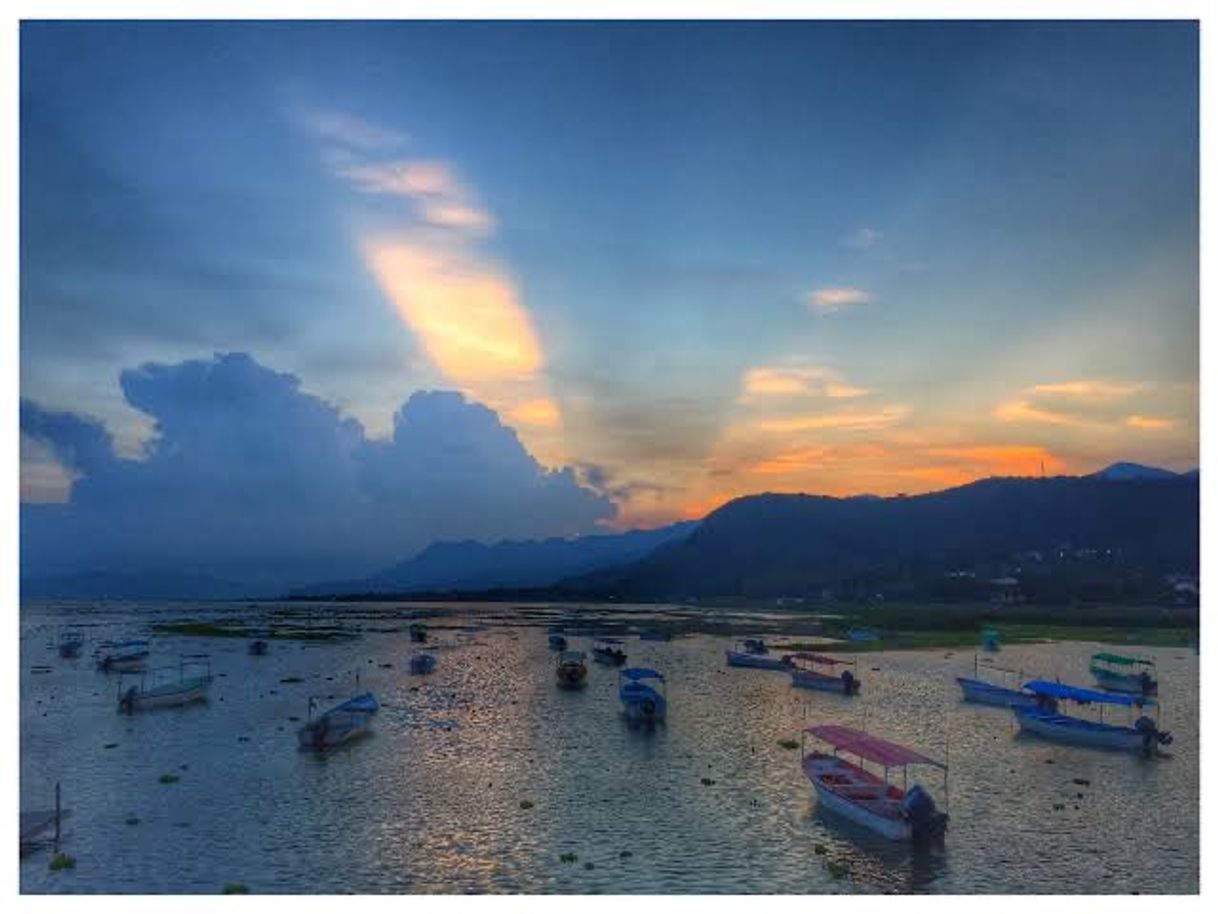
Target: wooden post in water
x: 57, y: 816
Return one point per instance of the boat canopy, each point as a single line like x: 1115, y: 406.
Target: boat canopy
x: 1074, y: 693
x: 571, y: 656
x: 819, y: 658
x: 869, y: 747
x: 1120, y: 660
x: 637, y: 673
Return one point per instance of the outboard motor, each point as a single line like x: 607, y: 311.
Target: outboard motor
x: 919, y: 807
x: 127, y: 702
x: 850, y: 685
x: 1152, y: 736
x: 648, y: 707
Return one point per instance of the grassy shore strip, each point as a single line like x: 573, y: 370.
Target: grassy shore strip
x: 211, y: 630
x: 1011, y: 634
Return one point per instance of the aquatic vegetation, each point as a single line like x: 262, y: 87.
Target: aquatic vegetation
x: 626, y: 855
x: 235, y: 888
x: 169, y: 779
x: 708, y: 782
x: 789, y: 743
x: 110, y: 746
x: 568, y: 857
x: 838, y: 869
x: 62, y: 861
x: 526, y: 804
x: 132, y: 820
x: 291, y: 679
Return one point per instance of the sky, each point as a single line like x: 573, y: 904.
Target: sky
x: 647, y: 267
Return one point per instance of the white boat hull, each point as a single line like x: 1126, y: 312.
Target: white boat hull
x: 1077, y: 732
x: 818, y: 681
x: 165, y: 696
x: 984, y: 693
x: 756, y: 661
x: 1127, y: 683
x: 895, y: 829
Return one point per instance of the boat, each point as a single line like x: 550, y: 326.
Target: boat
x: 866, y: 798
x: 261, y: 644
x: 1118, y: 673
x: 36, y: 823
x: 640, y: 699
x: 418, y: 632
x: 654, y: 634
x: 182, y: 690
x: 1046, y: 721
x: 340, y: 724
x: 979, y: 691
x: 606, y: 651
x: 991, y: 640
x: 808, y: 677
x: 753, y: 652
x: 421, y: 663
x: 122, y: 656
x: 571, y: 671
x: 558, y: 642
x: 70, y: 644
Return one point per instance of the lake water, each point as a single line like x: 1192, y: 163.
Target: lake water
x: 431, y: 801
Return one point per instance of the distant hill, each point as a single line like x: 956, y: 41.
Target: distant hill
x: 99, y: 585
x: 1125, y: 470
x: 778, y: 545
x: 472, y: 566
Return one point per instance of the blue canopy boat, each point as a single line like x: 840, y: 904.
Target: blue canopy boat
x: 753, y: 652
x: 1118, y: 673
x: 1046, y: 721
x: 641, y: 700
x: 341, y: 723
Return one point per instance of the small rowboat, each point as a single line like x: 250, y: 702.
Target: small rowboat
x: 1143, y: 736
x: 1131, y: 675
x: 606, y: 651
x: 571, y: 671
x: 641, y: 700
x: 122, y: 656
x: 340, y: 724
x: 70, y: 644
x: 183, y: 690
x: 866, y: 798
x: 808, y: 677
x: 753, y: 652
x: 421, y: 663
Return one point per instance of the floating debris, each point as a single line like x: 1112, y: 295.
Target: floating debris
x: 291, y: 679
x: 62, y: 861
x: 589, y: 865
x: 169, y: 779
x: 110, y: 746
x: 132, y: 820
x: 625, y: 855
x: 820, y: 850
x: 789, y: 743
x: 526, y: 804
x: 708, y: 782
x: 1083, y: 781
x: 568, y: 858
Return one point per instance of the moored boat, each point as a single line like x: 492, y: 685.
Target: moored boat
x: 640, y: 699
x: 261, y: 643
x: 866, y: 798
x: 558, y: 641
x: 340, y: 724
x: 70, y: 644
x: 418, y: 632
x: 122, y: 656
x: 606, y: 650
x: 184, y: 689
x: 1143, y: 735
x: 979, y: 691
x: 422, y: 663
x: 805, y: 675
x: 571, y: 672
x: 754, y: 653
x: 1118, y: 673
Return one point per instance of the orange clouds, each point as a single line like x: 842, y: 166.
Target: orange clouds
x: 837, y: 298
x: 1149, y: 422
x: 797, y: 381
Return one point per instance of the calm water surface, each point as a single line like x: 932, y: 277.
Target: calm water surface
x: 431, y: 802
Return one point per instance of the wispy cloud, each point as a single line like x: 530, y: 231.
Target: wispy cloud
x: 833, y: 299
x: 861, y: 239
x: 441, y: 199
x: 796, y: 381
x: 1087, y: 389
x: 1149, y: 422
x: 1026, y: 411
x: 346, y: 130
x: 840, y: 419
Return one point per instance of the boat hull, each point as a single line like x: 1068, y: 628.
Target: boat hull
x: 570, y: 676
x: 1127, y: 683
x: 756, y: 661
x: 985, y: 693
x: 806, y: 679
x: 1075, y: 731
x: 642, y: 703
x: 816, y: 765
x: 169, y: 696
x: 610, y: 658
x: 123, y: 664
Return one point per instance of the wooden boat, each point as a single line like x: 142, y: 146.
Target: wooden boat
x: 70, y: 644
x: 418, y: 632
x: 753, y: 652
x: 979, y: 691
x: 866, y: 798
x: 808, y: 677
x: 422, y: 663
x: 1047, y: 722
x: 182, y: 690
x: 122, y: 656
x: 340, y: 724
x: 571, y: 671
x: 641, y: 700
x: 1118, y: 673
x: 606, y: 651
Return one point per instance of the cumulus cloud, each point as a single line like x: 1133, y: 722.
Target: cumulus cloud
x: 861, y: 239
x: 251, y: 479
x: 836, y: 298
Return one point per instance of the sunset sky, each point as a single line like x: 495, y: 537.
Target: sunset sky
x: 686, y: 262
